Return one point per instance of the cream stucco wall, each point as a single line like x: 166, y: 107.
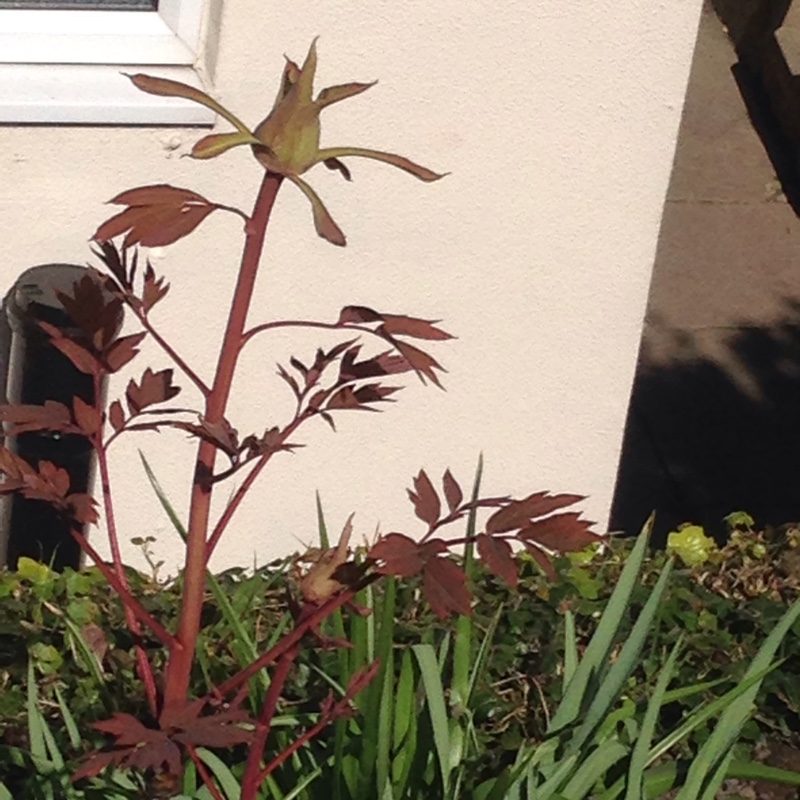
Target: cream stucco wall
x: 558, y: 124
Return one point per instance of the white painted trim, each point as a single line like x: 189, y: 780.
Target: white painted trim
x: 92, y: 95
x: 62, y: 67
x: 170, y: 35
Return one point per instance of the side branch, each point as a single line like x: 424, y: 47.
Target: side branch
x: 292, y: 639
x: 139, y: 611
x: 242, y: 491
x: 170, y: 351
x: 327, y: 326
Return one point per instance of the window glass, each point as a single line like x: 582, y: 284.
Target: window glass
x: 82, y: 5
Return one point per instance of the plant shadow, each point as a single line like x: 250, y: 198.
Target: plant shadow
x: 713, y: 428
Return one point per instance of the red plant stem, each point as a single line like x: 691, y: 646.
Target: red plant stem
x: 251, y: 779
x: 293, y: 638
x: 325, y: 719
x: 486, y: 502
x: 141, y: 613
x: 170, y: 351
x: 240, y: 493
x: 143, y: 665
x: 208, y: 781
x: 105, y: 483
x: 179, y: 664
x: 285, y: 323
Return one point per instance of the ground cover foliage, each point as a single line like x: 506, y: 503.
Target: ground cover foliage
x: 66, y: 635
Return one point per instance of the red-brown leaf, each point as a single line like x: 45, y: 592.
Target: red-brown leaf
x: 126, y: 729
x: 352, y: 315
x: 13, y: 466
x: 88, y: 417
x: 426, y: 502
x: 445, y: 587
x: 423, y: 364
x: 496, y: 554
x: 156, y: 215
x: 156, y: 194
x: 562, y: 533
x: 97, y: 762
x: 96, y: 640
x: 51, y: 416
x: 542, y: 559
x: 344, y: 398
x: 290, y: 380
x: 397, y: 554
x: 218, y: 730
x: 123, y: 350
x: 398, y: 325
x: 55, y: 477
x: 116, y: 416
x: 83, y: 508
x: 519, y: 512
x: 452, y: 491
x: 81, y: 358
x: 221, y: 434
x: 154, y: 289
x: 153, y: 388
x: 137, y: 747
x: 349, y: 397
x: 96, y: 313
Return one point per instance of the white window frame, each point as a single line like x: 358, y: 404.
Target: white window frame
x: 61, y: 66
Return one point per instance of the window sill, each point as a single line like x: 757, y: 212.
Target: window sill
x: 60, y: 94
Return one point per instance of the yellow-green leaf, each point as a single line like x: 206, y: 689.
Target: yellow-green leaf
x: 217, y: 143
x: 423, y: 173
x: 323, y: 221
x: 165, y: 87
x: 333, y: 94
x: 33, y: 571
x: 691, y: 545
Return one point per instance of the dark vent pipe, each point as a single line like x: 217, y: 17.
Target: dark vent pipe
x: 35, y: 371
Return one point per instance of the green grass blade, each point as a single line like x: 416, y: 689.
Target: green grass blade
x: 756, y: 771
x: 570, y: 647
x: 384, y: 687
x: 35, y: 722
x: 549, y: 788
x: 641, y: 749
x: 725, y: 734
x: 434, y: 694
x: 404, y: 729
x: 89, y: 656
x: 714, y: 783
x: 373, y: 713
x: 682, y: 692
x: 462, y: 646
x: 54, y: 753
x: 625, y: 664
x: 225, y: 778
x: 655, y: 777
x: 483, y: 653
x: 69, y: 721
x: 4, y: 793
x: 162, y: 498
x: 701, y: 715
x: 304, y: 783
x: 334, y: 626
x: 443, y: 652
x: 322, y: 528
x: 383, y: 760
x: 594, y: 767
x: 600, y: 644
x: 243, y: 648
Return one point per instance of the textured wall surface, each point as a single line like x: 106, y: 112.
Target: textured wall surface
x: 558, y: 124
